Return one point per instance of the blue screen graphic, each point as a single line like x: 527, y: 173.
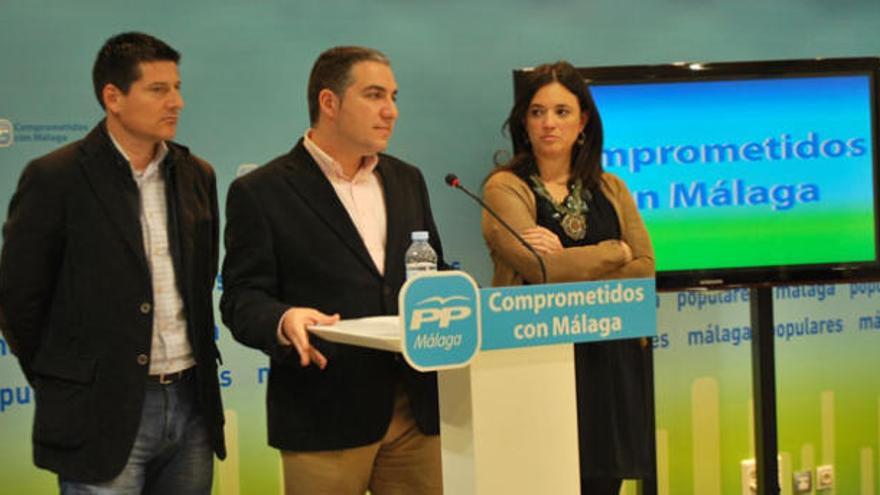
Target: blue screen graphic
x: 786, y: 163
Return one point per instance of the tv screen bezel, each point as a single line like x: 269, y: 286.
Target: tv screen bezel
x: 755, y: 276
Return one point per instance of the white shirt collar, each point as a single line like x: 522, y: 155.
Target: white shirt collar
x: 152, y: 167
x: 333, y: 168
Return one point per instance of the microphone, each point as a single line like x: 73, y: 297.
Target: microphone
x: 452, y: 181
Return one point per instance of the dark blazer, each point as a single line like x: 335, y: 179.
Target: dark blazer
x: 75, y: 291
x: 290, y: 242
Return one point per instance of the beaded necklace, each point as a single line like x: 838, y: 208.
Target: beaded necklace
x: 571, y: 213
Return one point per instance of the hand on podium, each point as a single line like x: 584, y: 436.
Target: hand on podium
x: 293, y: 332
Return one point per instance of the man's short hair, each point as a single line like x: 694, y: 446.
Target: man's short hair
x: 118, y: 60
x: 332, y: 71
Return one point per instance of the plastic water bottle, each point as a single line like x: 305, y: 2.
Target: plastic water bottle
x: 420, y: 258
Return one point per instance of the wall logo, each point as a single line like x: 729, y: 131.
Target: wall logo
x: 440, y: 320
x: 6, y: 134
x: 51, y: 134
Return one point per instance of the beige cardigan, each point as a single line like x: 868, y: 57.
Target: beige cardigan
x: 514, y: 201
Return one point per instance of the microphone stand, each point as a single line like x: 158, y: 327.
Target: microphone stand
x: 453, y: 182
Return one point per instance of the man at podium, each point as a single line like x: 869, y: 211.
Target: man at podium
x: 317, y: 234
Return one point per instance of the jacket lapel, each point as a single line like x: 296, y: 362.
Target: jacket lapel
x: 395, y: 237
x: 180, y: 191
x: 110, y: 178
x: 309, y: 182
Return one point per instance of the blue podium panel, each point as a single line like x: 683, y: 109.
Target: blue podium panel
x: 532, y: 315
x: 440, y: 320
x: 445, y: 319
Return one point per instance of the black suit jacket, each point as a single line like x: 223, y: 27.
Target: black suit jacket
x: 290, y: 242
x: 76, y: 295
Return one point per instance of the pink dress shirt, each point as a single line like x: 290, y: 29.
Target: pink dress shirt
x: 361, y: 196
x: 363, y: 199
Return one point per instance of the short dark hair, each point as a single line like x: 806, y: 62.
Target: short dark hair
x: 332, y: 70
x: 117, y: 61
x: 586, y: 158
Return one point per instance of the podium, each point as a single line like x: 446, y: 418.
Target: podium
x: 508, y: 419
x: 508, y: 423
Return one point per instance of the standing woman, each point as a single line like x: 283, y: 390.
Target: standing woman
x: 584, y: 224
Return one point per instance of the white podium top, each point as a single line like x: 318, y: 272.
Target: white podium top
x: 375, y: 332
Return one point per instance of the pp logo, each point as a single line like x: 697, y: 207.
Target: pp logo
x: 441, y: 315
x: 6, y: 137
x: 440, y: 320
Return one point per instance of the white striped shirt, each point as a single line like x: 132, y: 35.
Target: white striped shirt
x: 171, y: 350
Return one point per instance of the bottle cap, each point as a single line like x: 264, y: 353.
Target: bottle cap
x: 420, y: 235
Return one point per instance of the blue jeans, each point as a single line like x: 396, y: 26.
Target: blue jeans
x: 172, y: 452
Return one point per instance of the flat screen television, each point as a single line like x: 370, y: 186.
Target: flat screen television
x: 748, y: 173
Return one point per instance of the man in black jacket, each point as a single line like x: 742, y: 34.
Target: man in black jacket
x: 109, y: 257
x: 317, y: 234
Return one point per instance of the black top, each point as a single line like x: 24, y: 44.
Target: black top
x: 602, y: 223
x: 613, y: 379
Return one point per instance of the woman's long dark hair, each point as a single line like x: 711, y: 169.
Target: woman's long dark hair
x: 586, y: 158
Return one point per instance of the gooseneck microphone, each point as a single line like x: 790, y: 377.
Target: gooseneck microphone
x: 452, y: 181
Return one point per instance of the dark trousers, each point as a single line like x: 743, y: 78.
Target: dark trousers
x: 172, y: 453
x: 600, y: 486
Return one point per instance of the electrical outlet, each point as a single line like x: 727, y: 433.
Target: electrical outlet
x: 825, y: 477
x: 802, y: 481
x: 749, y: 474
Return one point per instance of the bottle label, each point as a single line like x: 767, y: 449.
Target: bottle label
x: 419, y: 268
